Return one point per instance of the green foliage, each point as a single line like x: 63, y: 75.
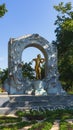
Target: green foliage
x: 64, y: 9
x: 15, y: 123
x: 32, y: 115
x: 12, y: 123
x: 64, y: 41
x: 49, y: 115
x: 68, y: 25
x: 42, y: 71
x: 70, y: 92
x: 47, y: 126
x: 42, y: 126
x: 65, y: 126
x: 59, y: 114
x: 4, y: 119
x: 20, y: 113
x: 36, y: 126
x: 3, y: 75
x: 28, y: 71
x: 3, y: 10
x: 15, y: 126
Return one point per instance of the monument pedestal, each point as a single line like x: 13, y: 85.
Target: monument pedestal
x: 56, y: 88
x: 38, y: 88
x: 4, y: 98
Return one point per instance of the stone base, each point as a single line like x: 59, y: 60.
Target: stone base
x: 38, y: 87
x: 16, y: 91
x: 12, y: 88
x: 35, y: 87
x: 56, y: 89
x: 25, y: 102
x: 4, y: 98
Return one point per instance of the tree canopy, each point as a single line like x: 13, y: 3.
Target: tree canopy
x: 3, y: 10
x: 64, y: 41
x: 27, y: 70
x: 3, y: 75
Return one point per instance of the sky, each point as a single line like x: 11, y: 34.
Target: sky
x: 27, y: 17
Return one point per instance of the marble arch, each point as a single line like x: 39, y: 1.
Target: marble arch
x: 15, y: 83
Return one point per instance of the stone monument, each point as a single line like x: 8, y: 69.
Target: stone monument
x: 16, y: 83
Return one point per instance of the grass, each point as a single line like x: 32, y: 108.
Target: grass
x: 16, y: 126
x: 4, y: 119
x: 42, y: 126
x: 47, y: 117
x: 32, y: 115
x: 70, y: 92
x: 65, y: 126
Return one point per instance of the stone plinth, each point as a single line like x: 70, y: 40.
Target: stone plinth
x: 25, y: 102
x: 38, y: 87
x: 4, y: 98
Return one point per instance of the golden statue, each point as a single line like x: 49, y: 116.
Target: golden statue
x: 38, y: 60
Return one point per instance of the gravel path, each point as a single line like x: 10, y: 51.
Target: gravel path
x: 55, y: 125
x: 26, y: 128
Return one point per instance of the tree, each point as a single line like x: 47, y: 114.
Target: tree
x: 3, y: 10
x: 43, y: 71
x: 3, y: 75
x: 64, y: 41
x: 28, y: 71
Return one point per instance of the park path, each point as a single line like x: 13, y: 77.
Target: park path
x: 26, y: 128
x: 55, y: 125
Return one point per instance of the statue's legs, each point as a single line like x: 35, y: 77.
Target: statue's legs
x: 39, y: 73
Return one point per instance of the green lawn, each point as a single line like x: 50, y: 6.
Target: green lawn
x: 33, y: 117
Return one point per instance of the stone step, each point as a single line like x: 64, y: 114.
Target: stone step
x: 11, y: 103
x: 51, y: 99
x: 4, y: 110
x: 50, y: 102
x: 39, y: 98
x: 25, y: 104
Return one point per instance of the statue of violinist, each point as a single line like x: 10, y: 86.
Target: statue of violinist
x: 38, y: 61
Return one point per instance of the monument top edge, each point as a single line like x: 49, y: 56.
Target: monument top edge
x: 24, y: 36
x: 34, y: 36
